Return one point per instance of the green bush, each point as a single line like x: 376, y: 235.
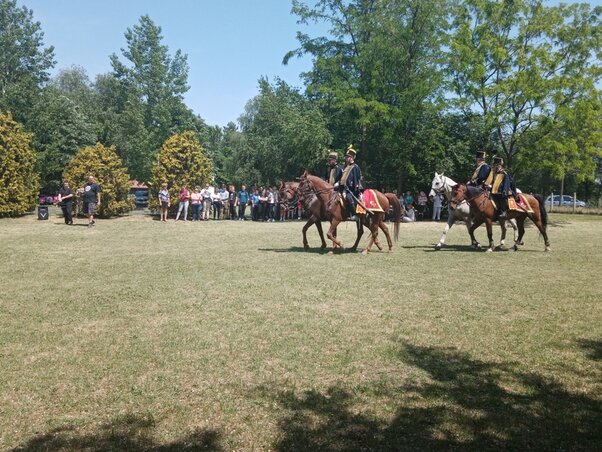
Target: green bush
x: 19, y: 182
x: 180, y: 161
x: 105, y: 165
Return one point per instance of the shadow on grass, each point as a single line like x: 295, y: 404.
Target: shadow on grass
x: 464, y: 404
x: 592, y: 347
x: 129, y: 432
x: 300, y: 249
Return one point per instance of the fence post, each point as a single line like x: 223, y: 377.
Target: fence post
x: 551, y: 201
x: 574, y: 202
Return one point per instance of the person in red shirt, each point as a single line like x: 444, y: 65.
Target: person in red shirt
x: 184, y: 202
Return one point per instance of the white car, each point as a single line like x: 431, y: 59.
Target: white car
x: 566, y: 201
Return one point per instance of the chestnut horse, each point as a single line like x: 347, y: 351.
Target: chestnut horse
x: 319, y: 197
x: 289, y: 197
x: 483, y: 210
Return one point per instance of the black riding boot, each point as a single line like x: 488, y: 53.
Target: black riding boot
x: 503, y: 208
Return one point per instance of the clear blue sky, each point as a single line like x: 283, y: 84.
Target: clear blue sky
x: 230, y: 43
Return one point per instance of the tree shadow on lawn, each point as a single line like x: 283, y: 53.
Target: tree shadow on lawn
x: 129, y: 432
x: 466, y: 404
x: 593, y: 348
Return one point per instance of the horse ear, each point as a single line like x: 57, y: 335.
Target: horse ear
x: 281, y: 184
x: 304, y: 173
x: 436, y: 174
x: 441, y: 174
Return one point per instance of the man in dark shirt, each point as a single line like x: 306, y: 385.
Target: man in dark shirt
x: 91, y: 199
x: 66, y: 202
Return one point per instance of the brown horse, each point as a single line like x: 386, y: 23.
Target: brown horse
x: 483, y: 210
x: 322, y: 201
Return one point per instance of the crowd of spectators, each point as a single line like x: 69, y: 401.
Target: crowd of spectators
x: 420, y: 207
x: 226, y: 203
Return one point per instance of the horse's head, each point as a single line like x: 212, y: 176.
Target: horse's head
x: 288, y: 191
x: 437, y: 184
x: 459, y: 194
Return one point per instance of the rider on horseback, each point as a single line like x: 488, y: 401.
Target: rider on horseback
x: 482, y: 176
x: 350, y: 182
x: 334, y: 170
x: 503, y: 187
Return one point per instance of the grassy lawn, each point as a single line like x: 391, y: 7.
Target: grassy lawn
x: 143, y: 335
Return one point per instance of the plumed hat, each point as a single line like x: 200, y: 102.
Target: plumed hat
x: 498, y: 160
x: 333, y: 155
x: 350, y: 151
x: 481, y: 154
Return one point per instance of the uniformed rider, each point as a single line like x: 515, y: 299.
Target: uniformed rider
x: 502, y: 186
x: 350, y: 183
x: 334, y: 170
x: 482, y: 176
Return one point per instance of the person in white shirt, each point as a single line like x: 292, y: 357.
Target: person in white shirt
x: 437, y: 202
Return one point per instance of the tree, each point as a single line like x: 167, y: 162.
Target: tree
x: 18, y: 179
x: 59, y: 129
x: 375, y: 77
x: 24, y: 61
x: 146, y: 93
x: 107, y: 168
x: 514, y: 62
x: 284, y: 133
x: 181, y: 160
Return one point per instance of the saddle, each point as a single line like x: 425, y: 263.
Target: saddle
x: 521, y: 206
x: 368, y: 198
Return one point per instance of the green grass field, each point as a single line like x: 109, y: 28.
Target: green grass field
x: 142, y: 335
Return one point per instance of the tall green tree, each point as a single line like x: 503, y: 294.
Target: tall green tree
x: 515, y: 62
x: 376, y: 76
x: 24, y: 60
x: 284, y: 133
x: 146, y: 94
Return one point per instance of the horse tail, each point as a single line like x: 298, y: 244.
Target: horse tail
x: 394, y: 201
x: 542, y: 210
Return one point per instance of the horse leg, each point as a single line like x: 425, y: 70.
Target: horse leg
x: 450, y: 222
x: 373, y: 235
x: 311, y: 221
x: 537, y: 220
x: 503, y: 238
x: 520, y: 224
x: 360, y: 232
x: 385, y: 230
x: 515, y: 227
x: 321, y: 232
x: 332, y: 235
x: 471, y: 229
x: 489, y: 226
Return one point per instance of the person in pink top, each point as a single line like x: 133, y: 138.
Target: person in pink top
x: 184, y: 201
x: 196, y: 200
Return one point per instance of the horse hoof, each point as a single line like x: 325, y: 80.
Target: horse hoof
x: 365, y: 253
x: 548, y: 249
x: 521, y: 243
x: 489, y: 250
x: 330, y: 253
x: 437, y: 246
x: 513, y: 249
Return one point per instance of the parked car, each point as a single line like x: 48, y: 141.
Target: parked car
x: 141, y: 198
x: 566, y: 201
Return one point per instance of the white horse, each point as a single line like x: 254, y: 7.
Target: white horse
x: 444, y: 184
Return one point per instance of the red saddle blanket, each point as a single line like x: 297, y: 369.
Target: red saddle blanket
x: 370, y: 200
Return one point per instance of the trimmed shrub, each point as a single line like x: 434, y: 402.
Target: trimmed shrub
x: 107, y: 168
x: 19, y: 182
x: 180, y: 161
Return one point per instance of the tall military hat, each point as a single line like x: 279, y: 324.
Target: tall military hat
x: 350, y: 151
x: 332, y: 154
x: 498, y: 160
x: 481, y: 155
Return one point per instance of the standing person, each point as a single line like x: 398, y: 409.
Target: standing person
x: 164, y: 201
x: 482, y: 176
x: 255, y: 205
x: 243, y: 200
x: 232, y: 202
x: 206, y: 194
x: 437, y: 203
x: 224, y: 195
x: 502, y: 187
x: 217, y: 204
x: 66, y: 202
x: 271, y: 204
x: 334, y: 170
x: 184, y: 197
x: 91, y: 199
x: 196, y: 200
x: 350, y: 183
x: 421, y: 201
x: 408, y: 198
